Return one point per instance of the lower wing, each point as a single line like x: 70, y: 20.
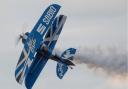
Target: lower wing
x: 35, y: 70
x: 22, y: 66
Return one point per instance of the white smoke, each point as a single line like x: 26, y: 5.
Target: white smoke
x: 111, y: 60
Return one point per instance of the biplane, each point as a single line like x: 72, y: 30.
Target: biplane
x: 38, y: 48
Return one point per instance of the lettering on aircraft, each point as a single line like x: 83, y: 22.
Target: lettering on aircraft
x: 49, y: 15
x: 60, y: 69
x: 31, y: 45
x: 41, y: 28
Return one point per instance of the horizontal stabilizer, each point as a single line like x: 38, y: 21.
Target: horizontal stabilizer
x: 61, y: 69
x: 68, y: 54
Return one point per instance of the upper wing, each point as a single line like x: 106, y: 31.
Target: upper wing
x: 33, y: 42
x: 38, y: 32
x: 50, y: 40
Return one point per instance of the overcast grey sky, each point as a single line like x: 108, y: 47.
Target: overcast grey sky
x: 90, y: 23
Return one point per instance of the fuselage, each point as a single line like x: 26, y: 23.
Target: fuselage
x: 58, y: 59
x: 43, y: 50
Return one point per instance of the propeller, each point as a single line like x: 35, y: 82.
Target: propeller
x: 22, y: 35
x: 19, y: 37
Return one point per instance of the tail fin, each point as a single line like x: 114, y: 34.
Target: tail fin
x: 62, y: 66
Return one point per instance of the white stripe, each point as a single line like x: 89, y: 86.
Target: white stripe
x: 24, y: 68
x: 22, y: 76
x: 58, y: 28
x: 25, y: 57
x: 19, y: 73
x: 67, y: 56
x: 56, y: 37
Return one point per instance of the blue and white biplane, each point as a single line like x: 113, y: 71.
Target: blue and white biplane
x: 38, y: 48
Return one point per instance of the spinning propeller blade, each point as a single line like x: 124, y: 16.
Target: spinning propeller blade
x: 19, y: 37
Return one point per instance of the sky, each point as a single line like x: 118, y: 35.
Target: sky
x: 90, y: 24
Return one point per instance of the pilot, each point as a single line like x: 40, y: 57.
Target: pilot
x: 42, y: 51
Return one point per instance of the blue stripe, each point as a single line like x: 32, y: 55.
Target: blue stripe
x: 19, y: 68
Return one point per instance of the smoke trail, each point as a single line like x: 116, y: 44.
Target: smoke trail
x: 110, y: 60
